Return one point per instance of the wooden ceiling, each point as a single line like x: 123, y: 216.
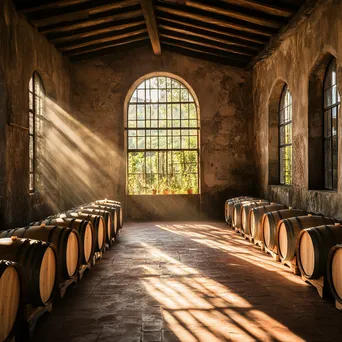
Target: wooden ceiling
x: 232, y: 32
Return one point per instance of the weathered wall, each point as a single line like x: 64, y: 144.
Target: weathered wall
x: 292, y: 63
x: 99, y: 90
x: 22, y: 51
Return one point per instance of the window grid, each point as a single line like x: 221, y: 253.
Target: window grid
x: 162, y: 121
x: 285, y: 137
x: 330, y: 127
x: 36, y: 114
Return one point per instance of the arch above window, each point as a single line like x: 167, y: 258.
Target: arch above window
x: 162, y: 126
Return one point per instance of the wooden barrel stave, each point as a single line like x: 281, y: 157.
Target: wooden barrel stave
x: 231, y: 205
x: 114, y: 209
x: 38, y: 260
x: 270, y: 221
x: 112, y: 204
x: 313, y: 246
x: 289, y: 229
x: 334, y: 274
x: 11, y: 299
x: 256, y: 215
x: 236, y: 212
x: 245, y: 218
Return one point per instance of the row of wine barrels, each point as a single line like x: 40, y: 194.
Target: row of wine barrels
x: 11, y: 298
x: 236, y: 212
x: 84, y: 228
x: 229, y: 207
x: 66, y: 241
x: 116, y: 205
x: 38, y: 261
x: 289, y: 229
x: 111, y: 207
x: 97, y: 222
x: 270, y: 221
x: 256, y: 215
x: 334, y: 274
x: 313, y: 246
x: 107, y: 217
x: 245, y: 209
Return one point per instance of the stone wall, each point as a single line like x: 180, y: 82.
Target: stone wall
x: 99, y: 89
x: 292, y: 63
x: 22, y: 51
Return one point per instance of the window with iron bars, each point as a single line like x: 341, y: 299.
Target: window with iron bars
x: 162, y: 138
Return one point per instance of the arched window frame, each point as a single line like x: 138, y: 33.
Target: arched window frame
x: 194, y: 101
x: 331, y: 103
x: 36, y: 115
x: 285, y: 136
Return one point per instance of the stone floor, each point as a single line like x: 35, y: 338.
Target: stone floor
x: 189, y: 282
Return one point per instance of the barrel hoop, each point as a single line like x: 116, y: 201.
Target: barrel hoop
x: 279, y: 213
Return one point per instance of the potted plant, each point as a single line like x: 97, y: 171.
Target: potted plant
x: 154, y: 192
x: 190, y: 191
x: 166, y: 191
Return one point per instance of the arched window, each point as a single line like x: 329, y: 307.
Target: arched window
x: 36, y: 116
x: 285, y: 137
x: 331, y: 106
x: 162, y: 138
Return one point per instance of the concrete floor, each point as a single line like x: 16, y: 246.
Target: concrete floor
x: 189, y: 282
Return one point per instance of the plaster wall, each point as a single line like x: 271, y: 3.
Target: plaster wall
x: 99, y: 88
x: 293, y: 63
x: 22, y: 51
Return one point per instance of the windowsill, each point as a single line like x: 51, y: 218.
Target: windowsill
x: 163, y: 195
x: 324, y: 191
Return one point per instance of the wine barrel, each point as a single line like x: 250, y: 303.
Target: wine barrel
x: 38, y: 260
x: 334, y: 274
x: 109, y: 206
x: 255, y: 219
x: 66, y: 241
x: 313, y: 247
x: 107, y: 217
x: 245, y: 213
x: 289, y: 229
x: 97, y: 222
x: 237, y: 207
x: 229, y: 207
x: 84, y: 228
x: 11, y: 298
x: 270, y: 221
x: 113, y: 204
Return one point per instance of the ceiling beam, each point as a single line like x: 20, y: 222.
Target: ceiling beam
x: 289, y: 29
x: 198, y: 53
x: 151, y: 24
x: 95, y: 32
x: 209, y: 29
x: 235, y: 14
x: 52, y: 5
x: 208, y: 45
x: 82, y: 14
x: 201, y: 35
x: 279, y: 11
x: 88, y: 23
x: 214, y: 21
x: 74, y: 46
x: 105, y: 46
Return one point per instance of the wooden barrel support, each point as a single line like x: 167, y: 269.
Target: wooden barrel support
x: 38, y: 260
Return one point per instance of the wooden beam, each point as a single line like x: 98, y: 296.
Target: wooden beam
x: 52, y: 5
x: 229, y: 34
x: 201, y: 35
x: 235, y: 14
x: 95, y: 32
x: 88, y: 23
x: 262, y: 7
x: 214, y: 21
x: 151, y: 24
x: 70, y: 47
x: 289, y: 29
x: 82, y: 14
x: 210, y: 46
x: 106, y: 46
x: 205, y: 55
